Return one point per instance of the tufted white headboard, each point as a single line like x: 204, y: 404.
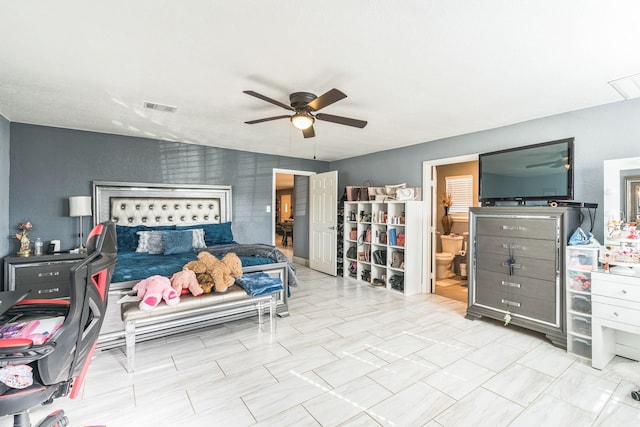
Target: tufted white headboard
x: 132, y: 204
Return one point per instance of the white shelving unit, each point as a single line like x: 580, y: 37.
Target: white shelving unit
x: 393, y: 228
x: 581, y: 262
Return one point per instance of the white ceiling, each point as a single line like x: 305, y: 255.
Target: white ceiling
x: 416, y: 70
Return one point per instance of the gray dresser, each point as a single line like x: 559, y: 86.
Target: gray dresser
x: 516, y: 272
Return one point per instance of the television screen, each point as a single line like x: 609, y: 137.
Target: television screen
x: 534, y: 172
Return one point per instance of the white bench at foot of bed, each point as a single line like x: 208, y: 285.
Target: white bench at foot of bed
x: 193, y: 312
x: 163, y: 321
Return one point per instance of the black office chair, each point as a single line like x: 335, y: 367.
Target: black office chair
x: 60, y: 364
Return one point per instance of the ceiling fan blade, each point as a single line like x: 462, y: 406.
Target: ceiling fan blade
x: 309, y: 132
x: 341, y: 120
x: 334, y: 95
x: 253, y: 122
x: 264, y: 98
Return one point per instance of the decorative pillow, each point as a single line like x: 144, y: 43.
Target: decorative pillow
x: 198, y: 239
x: 178, y: 241
x: 155, y: 242
x: 143, y: 241
x: 214, y: 234
x: 128, y: 236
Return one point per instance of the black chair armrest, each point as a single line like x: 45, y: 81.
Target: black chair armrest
x: 22, y: 350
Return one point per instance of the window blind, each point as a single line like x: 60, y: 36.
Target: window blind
x: 461, y: 190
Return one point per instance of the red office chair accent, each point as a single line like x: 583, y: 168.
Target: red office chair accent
x: 61, y: 363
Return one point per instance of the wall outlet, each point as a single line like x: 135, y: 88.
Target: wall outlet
x: 268, y: 208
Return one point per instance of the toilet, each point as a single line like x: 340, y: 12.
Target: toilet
x: 451, y: 246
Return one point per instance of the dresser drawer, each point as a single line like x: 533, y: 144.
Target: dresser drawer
x: 521, y: 286
x: 542, y: 269
x: 531, y: 308
x: 43, y: 273
x: 48, y: 290
x: 42, y: 279
x: 612, y: 309
x: 532, y: 248
x: 615, y: 288
x: 522, y: 227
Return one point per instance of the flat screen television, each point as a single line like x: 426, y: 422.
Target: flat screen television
x: 534, y: 172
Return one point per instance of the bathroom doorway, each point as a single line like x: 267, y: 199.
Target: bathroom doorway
x: 453, y: 183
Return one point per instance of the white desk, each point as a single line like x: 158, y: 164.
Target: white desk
x: 615, y: 302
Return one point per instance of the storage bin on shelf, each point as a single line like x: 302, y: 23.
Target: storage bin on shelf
x: 581, y: 262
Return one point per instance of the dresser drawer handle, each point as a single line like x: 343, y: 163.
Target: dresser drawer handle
x: 624, y: 291
x: 49, y: 274
x: 510, y: 245
x: 511, y: 303
x: 615, y: 313
x: 49, y: 291
x: 511, y: 264
x: 513, y: 228
x: 512, y: 284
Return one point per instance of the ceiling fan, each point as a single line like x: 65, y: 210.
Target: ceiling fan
x: 561, y: 162
x: 304, y: 105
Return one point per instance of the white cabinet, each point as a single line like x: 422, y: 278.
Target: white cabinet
x: 582, y: 261
x: 616, y: 303
x: 383, y: 244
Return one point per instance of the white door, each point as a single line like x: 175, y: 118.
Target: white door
x: 323, y: 221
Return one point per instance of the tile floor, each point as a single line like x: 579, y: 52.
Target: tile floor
x: 353, y: 355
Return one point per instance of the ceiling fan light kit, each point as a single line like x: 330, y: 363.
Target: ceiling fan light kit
x: 302, y: 120
x: 303, y: 104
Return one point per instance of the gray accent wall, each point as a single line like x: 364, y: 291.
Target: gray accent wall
x: 48, y: 165
x: 610, y: 131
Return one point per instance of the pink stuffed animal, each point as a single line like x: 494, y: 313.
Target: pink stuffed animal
x: 185, y: 281
x: 153, y: 289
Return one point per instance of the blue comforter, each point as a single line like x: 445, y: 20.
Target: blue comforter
x: 133, y: 266
x: 138, y: 266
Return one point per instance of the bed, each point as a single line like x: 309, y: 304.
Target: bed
x: 153, y: 222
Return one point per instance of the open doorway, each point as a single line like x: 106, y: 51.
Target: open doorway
x: 452, y: 184
x: 284, y: 213
x: 290, y: 214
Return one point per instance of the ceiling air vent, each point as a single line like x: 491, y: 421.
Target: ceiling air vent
x: 160, y: 107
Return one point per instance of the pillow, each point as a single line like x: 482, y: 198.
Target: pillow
x: 155, y: 242
x: 218, y: 234
x: 128, y: 236
x: 214, y: 234
x: 150, y: 242
x: 178, y: 241
x: 198, y: 239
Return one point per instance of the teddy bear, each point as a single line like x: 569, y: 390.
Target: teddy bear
x: 185, y: 281
x: 210, y: 270
x: 234, y: 263
x: 204, y: 279
x: 154, y: 289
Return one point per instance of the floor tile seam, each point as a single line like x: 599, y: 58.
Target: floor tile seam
x: 558, y: 378
x: 542, y: 393
x: 522, y: 408
x: 255, y: 419
x: 575, y: 408
x: 362, y: 408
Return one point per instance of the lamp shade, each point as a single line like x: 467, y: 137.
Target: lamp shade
x: 80, y: 206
